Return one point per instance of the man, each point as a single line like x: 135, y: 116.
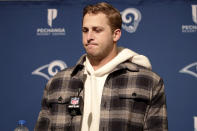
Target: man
x: 120, y: 91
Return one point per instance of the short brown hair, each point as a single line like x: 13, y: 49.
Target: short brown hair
x: 113, y: 15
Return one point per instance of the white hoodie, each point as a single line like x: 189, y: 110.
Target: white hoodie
x: 95, y: 82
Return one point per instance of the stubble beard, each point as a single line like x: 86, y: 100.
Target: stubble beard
x: 94, y: 57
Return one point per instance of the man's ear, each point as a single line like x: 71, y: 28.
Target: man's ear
x: 116, y: 35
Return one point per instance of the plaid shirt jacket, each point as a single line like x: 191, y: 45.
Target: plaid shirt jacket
x: 133, y: 99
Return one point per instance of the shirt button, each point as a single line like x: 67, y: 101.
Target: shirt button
x: 134, y: 94
x: 105, y: 105
x: 60, y: 99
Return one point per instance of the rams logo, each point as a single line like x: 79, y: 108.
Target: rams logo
x: 50, y: 70
x: 131, y: 18
x: 190, y: 69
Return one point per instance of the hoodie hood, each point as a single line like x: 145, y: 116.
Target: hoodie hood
x: 123, y: 55
x: 136, y: 58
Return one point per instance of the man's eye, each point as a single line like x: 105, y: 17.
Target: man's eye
x: 84, y: 30
x: 98, y: 30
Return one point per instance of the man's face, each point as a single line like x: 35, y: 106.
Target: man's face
x: 97, y: 36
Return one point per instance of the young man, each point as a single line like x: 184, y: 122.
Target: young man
x: 120, y: 91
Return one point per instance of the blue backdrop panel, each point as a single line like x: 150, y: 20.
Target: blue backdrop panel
x: 39, y: 39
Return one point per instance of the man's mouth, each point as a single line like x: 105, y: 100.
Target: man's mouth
x: 91, y: 44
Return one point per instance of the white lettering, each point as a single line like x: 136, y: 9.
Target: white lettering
x: 51, y: 31
x: 42, y: 30
x: 189, y: 28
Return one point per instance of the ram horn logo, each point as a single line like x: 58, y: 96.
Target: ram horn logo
x: 52, y: 69
x: 52, y: 14
x: 188, y: 69
x: 131, y: 18
x: 194, y: 13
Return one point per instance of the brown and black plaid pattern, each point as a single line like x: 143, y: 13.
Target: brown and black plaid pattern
x: 133, y: 99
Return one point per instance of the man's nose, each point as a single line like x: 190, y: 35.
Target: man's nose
x: 90, y: 36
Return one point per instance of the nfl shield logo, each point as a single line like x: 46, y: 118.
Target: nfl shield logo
x: 194, y: 13
x: 74, y: 101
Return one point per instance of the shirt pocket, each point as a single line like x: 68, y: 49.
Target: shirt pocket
x: 58, y: 103
x: 134, y: 101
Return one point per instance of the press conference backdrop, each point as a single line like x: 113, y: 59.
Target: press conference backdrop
x: 38, y: 39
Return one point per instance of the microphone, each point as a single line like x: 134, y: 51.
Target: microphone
x: 75, y: 106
